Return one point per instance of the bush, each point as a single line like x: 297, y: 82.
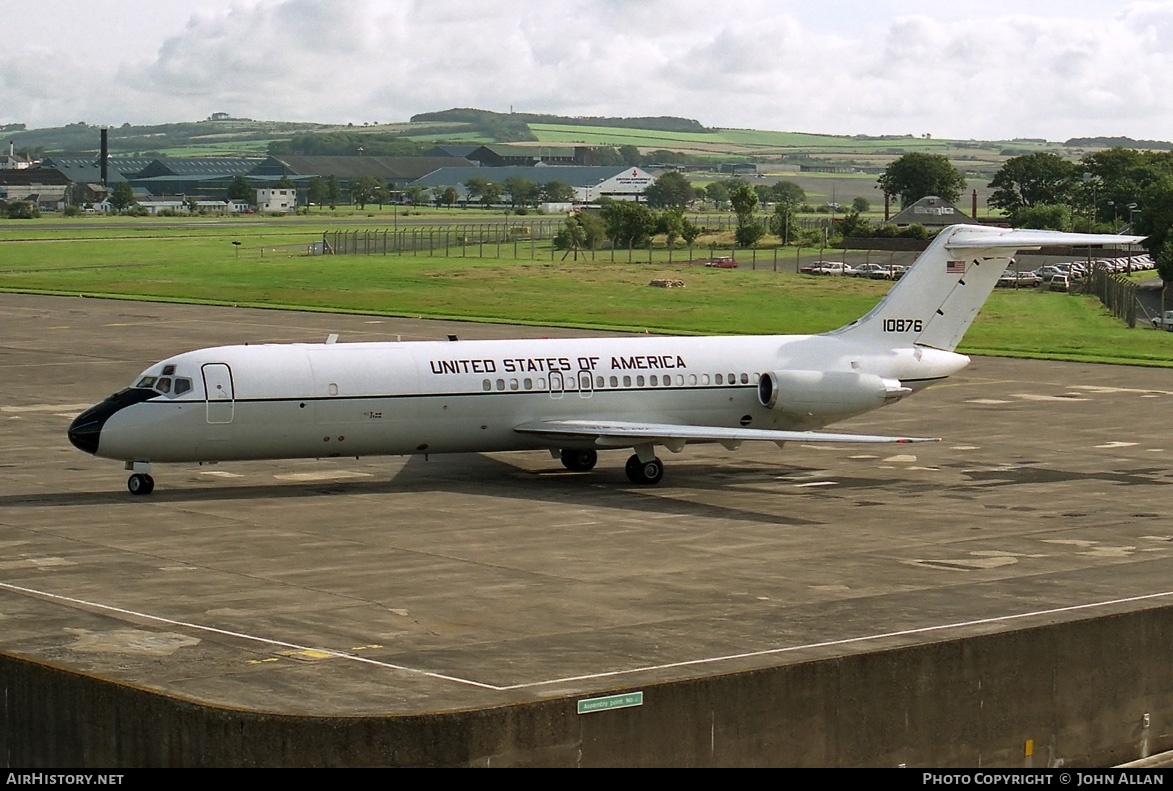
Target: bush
x: 23, y: 210
x: 71, y: 211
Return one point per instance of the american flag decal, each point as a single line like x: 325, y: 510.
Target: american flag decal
x: 955, y: 267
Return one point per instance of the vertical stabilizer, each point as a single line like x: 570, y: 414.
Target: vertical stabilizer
x: 937, y: 300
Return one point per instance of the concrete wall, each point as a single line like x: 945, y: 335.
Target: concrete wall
x: 1078, y: 692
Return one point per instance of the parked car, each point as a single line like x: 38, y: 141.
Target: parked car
x: 828, y: 268
x: 723, y: 262
x: 873, y: 271
x: 1164, y: 322
x: 1059, y: 283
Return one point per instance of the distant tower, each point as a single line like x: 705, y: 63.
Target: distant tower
x: 104, y: 153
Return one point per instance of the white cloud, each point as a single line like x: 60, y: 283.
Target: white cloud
x: 1045, y: 69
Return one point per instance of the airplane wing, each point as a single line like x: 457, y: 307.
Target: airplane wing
x: 621, y: 434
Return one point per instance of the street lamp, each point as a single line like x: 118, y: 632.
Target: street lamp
x: 1132, y: 210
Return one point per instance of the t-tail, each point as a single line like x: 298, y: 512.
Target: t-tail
x: 941, y: 294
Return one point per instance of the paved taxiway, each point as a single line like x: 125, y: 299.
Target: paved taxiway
x: 392, y: 585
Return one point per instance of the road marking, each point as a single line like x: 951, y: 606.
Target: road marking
x: 1037, y: 397
x: 1116, y: 445
x: 325, y: 475
x: 1102, y: 389
x: 857, y: 640
x: 74, y: 408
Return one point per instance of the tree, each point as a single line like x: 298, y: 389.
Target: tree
x: 333, y: 191
x: 491, y: 193
x: 788, y: 191
x: 669, y: 190
x: 1025, y: 181
x: 521, y: 191
x: 860, y: 204
x: 744, y: 199
x: 316, y: 190
x: 1156, y: 216
x: 363, y: 190
x: 122, y: 196
x: 26, y: 210
x: 627, y: 223
x: 1045, y: 216
x: 1164, y: 262
x: 557, y: 192
x: 474, y: 187
x: 414, y: 194
x: 913, y: 176
x: 241, y: 190
x: 449, y: 196
x: 718, y: 193
x: 631, y: 155
x: 782, y: 221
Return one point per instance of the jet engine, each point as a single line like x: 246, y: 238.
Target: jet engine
x: 826, y: 392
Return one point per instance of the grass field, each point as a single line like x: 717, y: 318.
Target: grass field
x: 199, y: 263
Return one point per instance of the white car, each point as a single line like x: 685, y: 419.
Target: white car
x: 1164, y: 322
x: 831, y: 268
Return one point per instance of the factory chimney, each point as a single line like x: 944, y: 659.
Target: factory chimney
x: 105, y: 153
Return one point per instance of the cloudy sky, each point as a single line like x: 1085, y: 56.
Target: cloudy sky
x: 993, y: 70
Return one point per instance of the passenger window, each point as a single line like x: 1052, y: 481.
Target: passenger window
x: 614, y: 381
x: 720, y: 379
x: 529, y: 384
x: 487, y: 384
x: 500, y: 384
x: 679, y: 380
x: 600, y: 382
x: 654, y: 381
x: 704, y: 379
x: 627, y: 381
x: 745, y: 379
x: 513, y: 384
x: 692, y: 379
x: 639, y: 381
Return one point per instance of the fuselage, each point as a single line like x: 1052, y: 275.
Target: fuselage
x: 358, y: 399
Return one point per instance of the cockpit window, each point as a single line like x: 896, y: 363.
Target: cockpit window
x: 167, y: 385
x: 168, y: 370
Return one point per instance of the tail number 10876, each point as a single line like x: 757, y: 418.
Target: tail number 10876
x: 903, y: 325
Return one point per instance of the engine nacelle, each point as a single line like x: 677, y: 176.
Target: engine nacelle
x: 827, y: 392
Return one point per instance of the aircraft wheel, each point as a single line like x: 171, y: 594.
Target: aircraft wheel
x: 579, y: 460
x: 140, y: 484
x: 644, y: 473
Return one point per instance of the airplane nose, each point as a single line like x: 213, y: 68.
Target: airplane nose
x: 86, y: 430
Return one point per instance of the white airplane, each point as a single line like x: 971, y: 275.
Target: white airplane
x: 572, y: 397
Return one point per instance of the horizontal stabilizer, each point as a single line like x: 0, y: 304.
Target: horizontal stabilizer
x: 620, y: 434
x: 977, y: 237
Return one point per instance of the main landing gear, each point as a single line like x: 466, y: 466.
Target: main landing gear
x: 644, y: 473
x: 140, y: 483
x: 579, y: 460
